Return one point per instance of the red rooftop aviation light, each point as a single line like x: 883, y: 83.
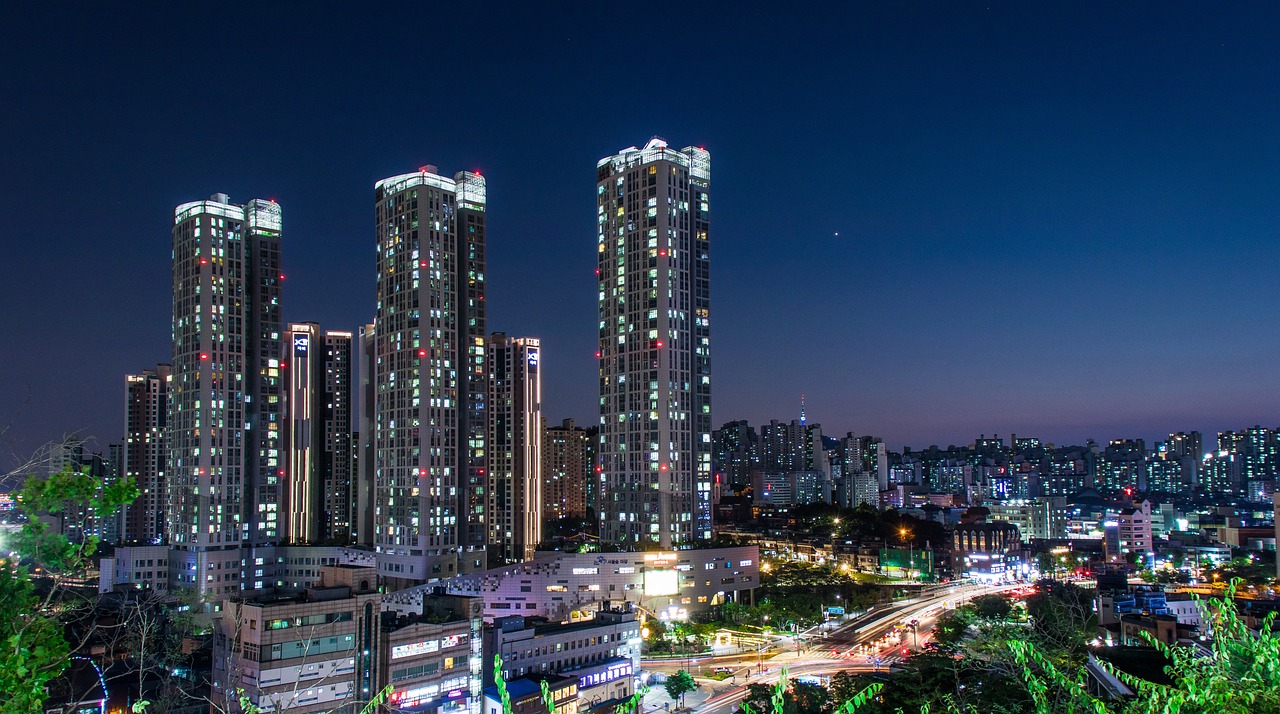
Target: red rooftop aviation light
x: 659, y: 344
x: 422, y: 353
x: 204, y: 356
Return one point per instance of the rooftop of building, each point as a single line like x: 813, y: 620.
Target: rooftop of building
x: 528, y: 686
x: 543, y: 628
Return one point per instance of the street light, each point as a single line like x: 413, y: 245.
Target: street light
x: 911, y: 557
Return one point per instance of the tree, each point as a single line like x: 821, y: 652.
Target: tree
x: 33, y: 647
x: 679, y: 684
x: 656, y: 638
x: 992, y: 607
x: 810, y: 698
x: 802, y: 698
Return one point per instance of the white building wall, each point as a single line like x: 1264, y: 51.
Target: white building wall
x: 571, y: 586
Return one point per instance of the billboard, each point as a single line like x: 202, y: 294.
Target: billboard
x: 661, y: 582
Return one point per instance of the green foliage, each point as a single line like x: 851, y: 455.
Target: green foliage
x: 34, y: 650
x: 378, y: 700
x: 951, y: 628
x: 503, y: 695
x: 1062, y: 617
x: 633, y: 702
x: 1241, y: 675
x: 798, y: 592
x: 548, y: 700
x: 680, y: 683
x: 802, y: 698
x: 992, y: 607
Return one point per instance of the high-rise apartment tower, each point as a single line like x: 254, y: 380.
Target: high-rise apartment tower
x: 514, y: 473
x: 429, y: 376
x: 146, y: 455
x: 317, y: 431
x: 652, y: 212
x: 226, y: 397
x: 566, y: 471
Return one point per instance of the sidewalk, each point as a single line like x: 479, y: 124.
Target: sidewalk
x: 657, y: 701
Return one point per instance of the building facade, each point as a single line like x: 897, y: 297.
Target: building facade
x: 602, y: 653
x: 317, y: 492
x: 146, y: 455
x: 566, y: 471
x: 313, y: 653
x: 435, y: 664
x: 572, y: 586
x: 514, y: 491
x: 226, y: 396
x: 429, y: 376
x: 653, y: 217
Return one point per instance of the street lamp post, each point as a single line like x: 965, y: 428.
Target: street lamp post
x: 911, y: 557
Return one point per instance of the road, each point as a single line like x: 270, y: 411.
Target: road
x: 862, y: 644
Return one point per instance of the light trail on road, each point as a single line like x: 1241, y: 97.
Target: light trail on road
x: 815, y: 658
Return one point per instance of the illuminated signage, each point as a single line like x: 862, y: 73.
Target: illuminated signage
x: 612, y: 673
x: 659, y: 558
x: 661, y: 582
x: 533, y: 359
x: 411, y: 697
x: 300, y: 344
x: 417, y: 648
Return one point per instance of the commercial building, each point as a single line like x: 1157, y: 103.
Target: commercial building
x: 525, y: 695
x: 572, y: 586
x: 566, y: 471
x: 653, y: 237
x: 1038, y: 518
x: 146, y: 455
x: 226, y: 397
x: 313, y: 653
x: 986, y: 551
x: 429, y: 376
x: 514, y: 454
x: 317, y: 493
x: 434, y: 663
x: 527, y: 647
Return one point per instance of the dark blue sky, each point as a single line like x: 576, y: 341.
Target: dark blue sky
x: 1053, y: 220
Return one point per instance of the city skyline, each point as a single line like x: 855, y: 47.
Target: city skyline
x: 1039, y: 237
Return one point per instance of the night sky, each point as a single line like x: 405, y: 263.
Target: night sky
x: 934, y: 220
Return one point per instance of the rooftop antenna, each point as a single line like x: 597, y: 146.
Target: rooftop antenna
x: 802, y: 409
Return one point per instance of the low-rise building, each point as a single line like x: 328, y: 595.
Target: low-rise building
x: 530, y: 647
x: 526, y: 695
x: 1164, y: 628
x: 138, y: 567
x: 310, y: 653
x: 572, y: 586
x: 434, y: 661
x: 285, y: 567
